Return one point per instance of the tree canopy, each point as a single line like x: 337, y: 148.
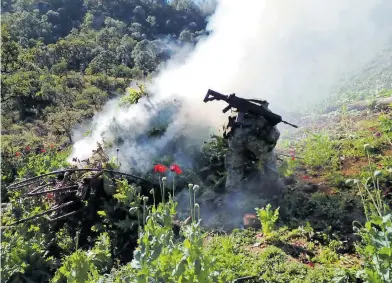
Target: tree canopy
x: 67, y: 58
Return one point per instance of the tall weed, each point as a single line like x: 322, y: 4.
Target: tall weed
x: 376, y: 235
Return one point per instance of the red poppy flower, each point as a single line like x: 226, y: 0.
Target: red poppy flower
x: 306, y: 177
x: 49, y: 195
x: 311, y: 264
x: 160, y: 168
x: 175, y: 168
x: 43, y: 150
x: 18, y: 154
x: 28, y: 148
x: 292, y: 153
x: 51, y: 146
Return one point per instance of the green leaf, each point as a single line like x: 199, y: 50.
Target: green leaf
x: 370, y: 249
x: 187, y: 244
x: 377, y: 173
x: 180, y: 268
x: 385, y: 251
x: 387, y: 218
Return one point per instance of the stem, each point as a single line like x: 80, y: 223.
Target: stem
x: 374, y: 202
x: 144, y: 213
x: 363, y: 202
x: 194, y: 203
x: 197, y: 207
x: 378, y: 194
x: 370, y: 168
x: 163, y: 194
x: 174, y: 185
x: 190, y: 202
x: 138, y: 220
x: 374, y: 184
x: 77, y: 239
x: 160, y: 185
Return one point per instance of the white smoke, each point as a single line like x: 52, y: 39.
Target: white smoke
x: 291, y: 53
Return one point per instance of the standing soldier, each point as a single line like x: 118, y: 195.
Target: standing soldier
x: 250, y: 133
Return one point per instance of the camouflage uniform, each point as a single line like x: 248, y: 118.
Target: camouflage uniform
x: 253, y: 134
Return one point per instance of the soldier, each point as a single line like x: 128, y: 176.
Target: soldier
x: 250, y: 133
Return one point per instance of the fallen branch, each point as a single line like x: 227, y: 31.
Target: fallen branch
x: 66, y: 215
x: 30, y: 180
x: 54, y: 190
x: 244, y: 279
x: 43, y: 213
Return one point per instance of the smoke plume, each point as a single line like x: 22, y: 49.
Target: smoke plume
x: 291, y: 53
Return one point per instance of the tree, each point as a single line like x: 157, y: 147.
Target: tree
x: 145, y: 56
x: 10, y: 50
x: 20, y: 90
x: 62, y: 121
x: 107, y: 37
x: 136, y: 30
x: 122, y: 71
x: 185, y: 37
x: 95, y: 97
x: 124, y: 50
x: 102, y: 63
x: 139, y: 14
x: 119, y: 26
x: 60, y: 68
x: 30, y: 25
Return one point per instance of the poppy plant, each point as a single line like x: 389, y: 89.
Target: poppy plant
x: 28, y: 148
x: 176, y: 169
x: 160, y: 168
x: 51, y: 146
x: 43, y: 150
x: 292, y: 153
x: 311, y: 264
x: 18, y: 154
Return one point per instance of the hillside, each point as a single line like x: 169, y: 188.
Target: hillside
x: 310, y: 238
x: 58, y: 67
x: 332, y: 221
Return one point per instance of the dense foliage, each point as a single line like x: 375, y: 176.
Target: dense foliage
x: 63, y: 60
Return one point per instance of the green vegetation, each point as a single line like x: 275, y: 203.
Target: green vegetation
x: 267, y: 218
x: 63, y: 60
x: 310, y: 238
